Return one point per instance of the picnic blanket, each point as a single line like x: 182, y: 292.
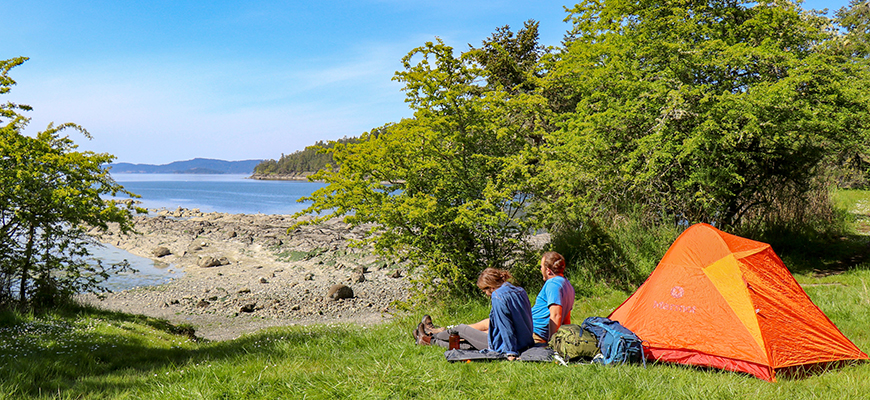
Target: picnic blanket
x: 537, y: 353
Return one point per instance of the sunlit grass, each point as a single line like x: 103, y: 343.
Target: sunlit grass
x: 856, y: 201
x: 103, y: 355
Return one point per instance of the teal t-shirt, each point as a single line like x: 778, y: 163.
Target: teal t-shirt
x: 556, y: 290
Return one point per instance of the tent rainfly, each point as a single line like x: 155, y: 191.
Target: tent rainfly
x: 723, y: 301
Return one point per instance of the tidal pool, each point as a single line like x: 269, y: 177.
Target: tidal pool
x: 149, y: 272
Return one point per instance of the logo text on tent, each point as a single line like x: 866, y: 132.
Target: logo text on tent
x: 673, y: 307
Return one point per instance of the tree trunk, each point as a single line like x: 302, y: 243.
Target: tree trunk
x: 25, y: 265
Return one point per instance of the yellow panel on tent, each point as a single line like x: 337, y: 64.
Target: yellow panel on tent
x: 724, y: 301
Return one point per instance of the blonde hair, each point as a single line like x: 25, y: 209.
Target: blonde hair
x: 493, y: 278
x: 554, y: 261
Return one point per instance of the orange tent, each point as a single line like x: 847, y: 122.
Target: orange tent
x: 723, y: 301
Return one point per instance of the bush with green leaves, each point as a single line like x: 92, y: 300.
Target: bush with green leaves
x: 49, y: 195
x: 714, y: 112
x: 447, y: 189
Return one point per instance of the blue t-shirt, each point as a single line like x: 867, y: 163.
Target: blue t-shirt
x: 556, y: 290
x: 510, y: 320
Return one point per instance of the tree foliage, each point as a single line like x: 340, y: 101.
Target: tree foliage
x: 510, y: 61
x: 854, y: 42
x: 701, y: 111
x: 447, y: 188
x: 855, y: 19
x: 49, y: 195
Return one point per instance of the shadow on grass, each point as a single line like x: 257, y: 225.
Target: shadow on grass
x: 793, y: 373
x: 86, y: 361
x: 818, y: 248
x: 823, y: 257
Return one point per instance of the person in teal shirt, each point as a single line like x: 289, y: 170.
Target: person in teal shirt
x: 555, y: 301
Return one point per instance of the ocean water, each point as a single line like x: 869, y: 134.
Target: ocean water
x: 148, y: 272
x: 209, y: 193
x: 217, y: 193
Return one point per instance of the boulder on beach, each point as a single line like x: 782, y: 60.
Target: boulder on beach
x: 161, y: 251
x: 248, y: 308
x: 209, y: 261
x: 339, y: 291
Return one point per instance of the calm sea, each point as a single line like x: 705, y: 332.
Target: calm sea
x: 209, y: 193
x: 220, y: 193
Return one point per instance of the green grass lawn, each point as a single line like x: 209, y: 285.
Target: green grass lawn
x: 92, y: 354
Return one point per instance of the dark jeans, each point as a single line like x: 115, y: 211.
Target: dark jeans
x: 472, y: 338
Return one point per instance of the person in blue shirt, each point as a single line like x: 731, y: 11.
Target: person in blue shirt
x: 508, y: 330
x: 555, y: 300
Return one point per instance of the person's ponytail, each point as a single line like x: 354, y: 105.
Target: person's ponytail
x: 554, y: 261
x: 493, y: 278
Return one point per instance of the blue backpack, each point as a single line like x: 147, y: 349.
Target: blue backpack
x: 616, y: 342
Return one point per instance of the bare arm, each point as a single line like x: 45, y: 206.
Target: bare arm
x: 555, y: 318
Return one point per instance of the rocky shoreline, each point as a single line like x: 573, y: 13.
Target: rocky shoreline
x: 246, y: 272
x: 302, y: 176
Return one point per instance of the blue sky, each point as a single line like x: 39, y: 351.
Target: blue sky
x: 161, y: 81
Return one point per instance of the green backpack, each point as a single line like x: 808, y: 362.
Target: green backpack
x: 572, y: 342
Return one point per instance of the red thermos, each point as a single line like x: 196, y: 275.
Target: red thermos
x: 454, y: 341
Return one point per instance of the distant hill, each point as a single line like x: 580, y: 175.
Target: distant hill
x: 195, y: 166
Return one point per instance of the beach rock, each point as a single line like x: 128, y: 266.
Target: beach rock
x: 161, y: 251
x: 263, y: 280
x: 209, y: 261
x: 358, y: 277
x: 339, y: 291
x: 248, y: 308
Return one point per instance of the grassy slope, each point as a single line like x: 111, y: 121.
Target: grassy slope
x: 93, y: 354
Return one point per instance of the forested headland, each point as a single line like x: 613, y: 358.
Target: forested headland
x: 299, y: 164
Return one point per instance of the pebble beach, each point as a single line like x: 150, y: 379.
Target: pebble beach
x: 246, y: 272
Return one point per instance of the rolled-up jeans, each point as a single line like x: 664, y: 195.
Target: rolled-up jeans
x: 474, y: 339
